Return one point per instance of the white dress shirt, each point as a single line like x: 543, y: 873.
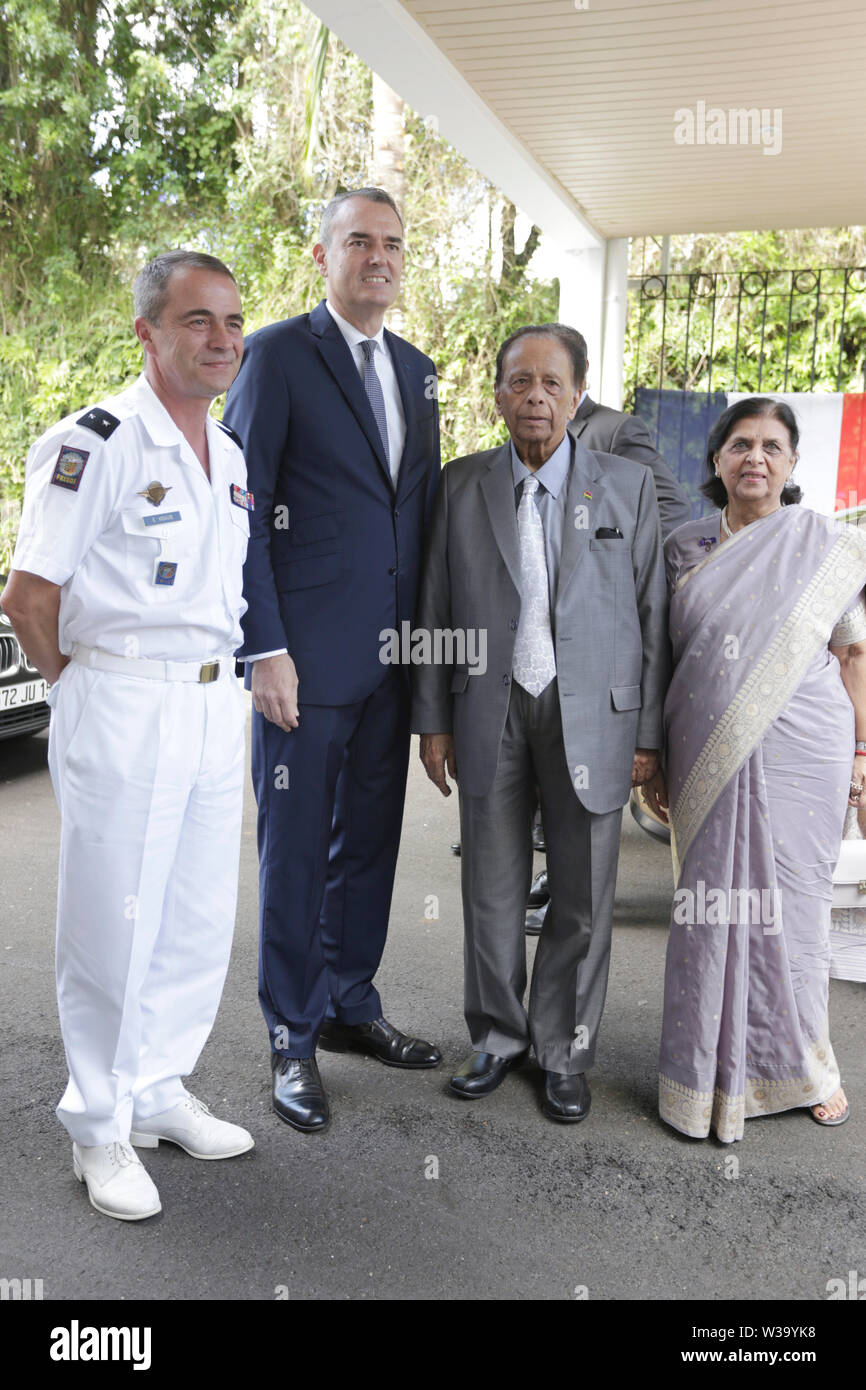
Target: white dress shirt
x: 101, y: 540
x: 394, y: 415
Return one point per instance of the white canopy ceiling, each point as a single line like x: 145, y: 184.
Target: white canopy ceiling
x: 581, y: 109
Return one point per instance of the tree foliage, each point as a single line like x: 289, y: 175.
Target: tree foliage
x: 130, y: 126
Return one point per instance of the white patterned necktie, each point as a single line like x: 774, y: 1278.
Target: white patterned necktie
x: 373, y: 387
x: 534, y: 661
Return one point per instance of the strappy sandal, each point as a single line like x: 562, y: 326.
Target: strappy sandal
x: 832, y: 1120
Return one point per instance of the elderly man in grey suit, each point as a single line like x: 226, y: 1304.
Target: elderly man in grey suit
x: 554, y: 553
x: 609, y: 431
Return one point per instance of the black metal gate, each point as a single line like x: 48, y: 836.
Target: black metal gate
x: 757, y: 330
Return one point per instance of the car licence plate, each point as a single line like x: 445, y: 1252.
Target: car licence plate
x: 27, y: 693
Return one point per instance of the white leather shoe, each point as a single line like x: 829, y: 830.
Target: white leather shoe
x: 191, y: 1126
x: 118, y: 1184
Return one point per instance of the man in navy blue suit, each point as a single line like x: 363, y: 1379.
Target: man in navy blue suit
x: 340, y: 429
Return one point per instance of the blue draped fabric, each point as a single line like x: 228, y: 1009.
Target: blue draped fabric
x: 679, y: 423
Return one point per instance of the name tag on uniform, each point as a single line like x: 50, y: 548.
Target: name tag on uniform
x: 69, y: 468
x: 242, y: 499
x: 161, y: 518
x: 165, y: 572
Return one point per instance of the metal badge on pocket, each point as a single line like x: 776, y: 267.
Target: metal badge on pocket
x: 154, y: 492
x: 165, y: 572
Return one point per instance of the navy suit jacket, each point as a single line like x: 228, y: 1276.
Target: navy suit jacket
x: 335, y: 551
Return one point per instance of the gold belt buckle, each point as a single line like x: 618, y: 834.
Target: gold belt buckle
x: 208, y: 672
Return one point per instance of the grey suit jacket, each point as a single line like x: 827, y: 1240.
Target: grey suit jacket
x: 611, y: 431
x: 612, y: 651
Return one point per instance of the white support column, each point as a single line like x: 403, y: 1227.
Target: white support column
x: 593, y: 297
x: 581, y: 300
x: 610, y: 380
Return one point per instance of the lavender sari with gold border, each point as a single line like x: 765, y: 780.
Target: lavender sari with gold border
x: 759, y: 738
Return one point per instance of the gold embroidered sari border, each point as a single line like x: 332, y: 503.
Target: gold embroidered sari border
x: 768, y: 688
x: 696, y: 1112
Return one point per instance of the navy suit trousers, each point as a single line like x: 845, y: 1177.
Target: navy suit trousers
x: 330, y: 800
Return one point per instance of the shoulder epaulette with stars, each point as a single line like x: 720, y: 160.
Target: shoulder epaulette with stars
x: 227, y: 429
x: 99, y: 421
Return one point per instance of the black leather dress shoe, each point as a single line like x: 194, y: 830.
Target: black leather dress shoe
x: 539, y: 893
x: 482, y: 1073
x: 535, y: 919
x: 299, y: 1096
x: 566, y: 1098
x: 380, y: 1039
x: 539, y: 844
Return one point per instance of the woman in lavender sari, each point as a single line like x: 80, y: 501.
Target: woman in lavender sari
x: 760, y: 742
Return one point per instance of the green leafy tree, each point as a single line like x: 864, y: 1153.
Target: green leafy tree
x: 223, y: 125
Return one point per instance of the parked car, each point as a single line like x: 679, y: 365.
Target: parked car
x: 22, y: 690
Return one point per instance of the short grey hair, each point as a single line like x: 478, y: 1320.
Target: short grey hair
x: 150, y: 291
x: 573, y: 342
x: 372, y: 195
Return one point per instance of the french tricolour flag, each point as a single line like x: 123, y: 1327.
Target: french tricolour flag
x: 831, y: 468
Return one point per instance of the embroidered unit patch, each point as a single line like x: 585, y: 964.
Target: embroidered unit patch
x: 69, y: 468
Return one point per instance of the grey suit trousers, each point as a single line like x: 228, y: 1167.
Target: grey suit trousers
x: 569, y: 979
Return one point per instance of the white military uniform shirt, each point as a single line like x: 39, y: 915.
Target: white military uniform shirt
x: 148, y: 769
x: 161, y: 580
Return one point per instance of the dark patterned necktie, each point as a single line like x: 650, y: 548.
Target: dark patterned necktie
x: 373, y: 387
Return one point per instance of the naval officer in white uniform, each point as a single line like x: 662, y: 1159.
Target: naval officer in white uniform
x: 126, y: 593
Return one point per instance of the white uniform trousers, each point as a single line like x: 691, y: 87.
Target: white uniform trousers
x: 148, y: 775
